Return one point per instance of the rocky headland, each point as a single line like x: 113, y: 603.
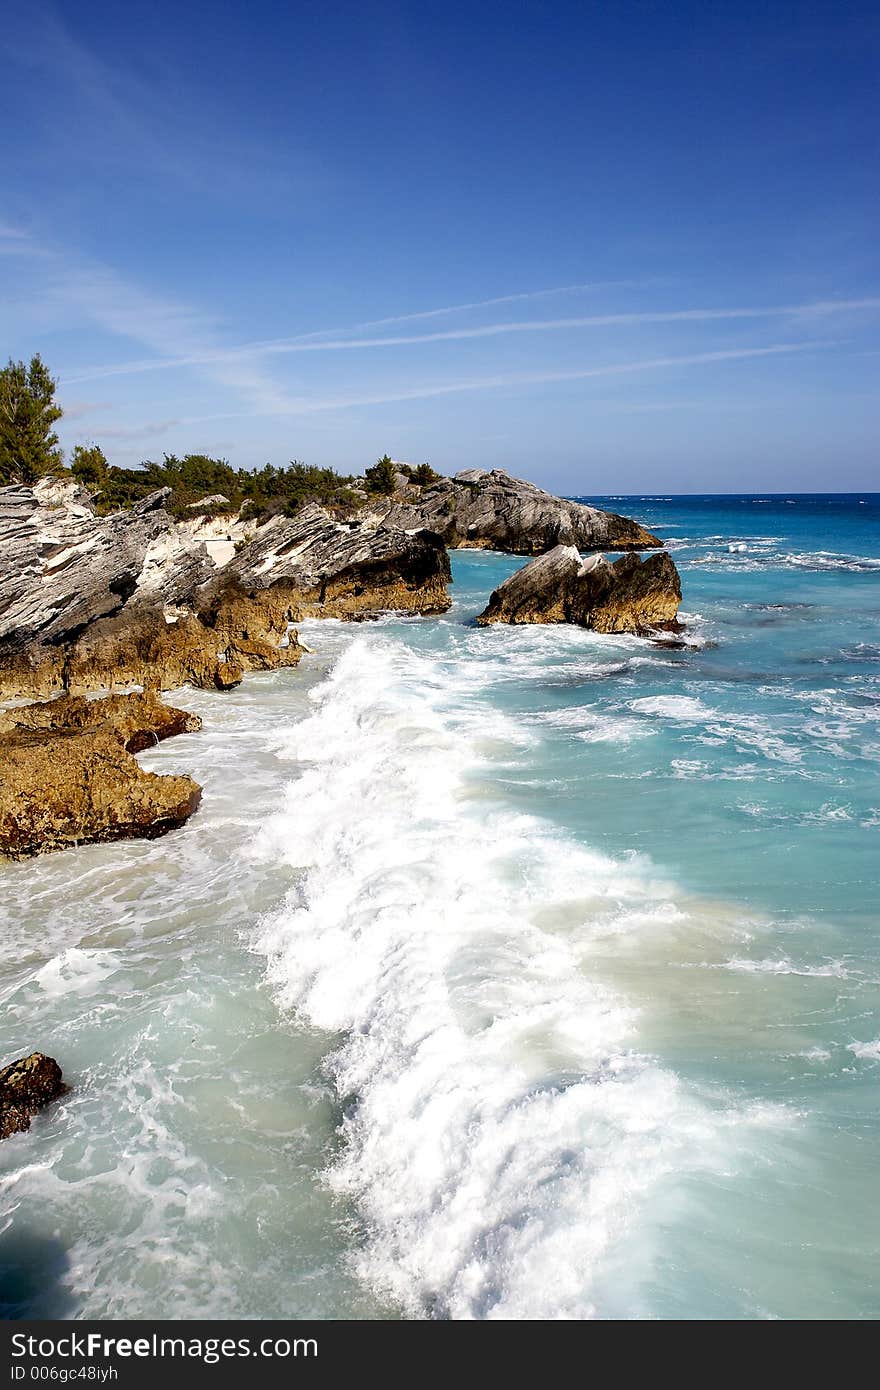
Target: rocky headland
x: 141, y: 599
x: 488, y: 510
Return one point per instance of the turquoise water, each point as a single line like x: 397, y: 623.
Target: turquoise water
x: 503, y: 974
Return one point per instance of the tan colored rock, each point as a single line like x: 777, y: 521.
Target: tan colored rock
x: 232, y: 632
x: 644, y: 596
x: 631, y: 595
x: 25, y: 1087
x: 68, y: 774
x: 140, y: 720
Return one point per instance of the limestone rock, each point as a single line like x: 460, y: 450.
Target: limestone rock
x: 25, y: 1087
x: 644, y: 597
x: 89, y: 603
x: 630, y: 595
x: 490, y: 510
x: 151, y: 645
x: 63, y: 568
x: 539, y: 592
x: 344, y: 569
x: 68, y: 774
x: 140, y: 720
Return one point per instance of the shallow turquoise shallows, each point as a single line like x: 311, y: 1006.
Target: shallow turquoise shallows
x: 506, y: 973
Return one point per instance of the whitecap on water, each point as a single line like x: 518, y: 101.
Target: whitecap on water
x: 502, y: 1130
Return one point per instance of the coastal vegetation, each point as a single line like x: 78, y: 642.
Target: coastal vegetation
x: 29, y: 448
x: 208, y: 486
x: 199, y: 484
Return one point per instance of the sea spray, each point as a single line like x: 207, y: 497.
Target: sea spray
x: 500, y: 1130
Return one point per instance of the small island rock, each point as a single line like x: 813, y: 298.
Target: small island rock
x: 26, y: 1085
x: 631, y: 595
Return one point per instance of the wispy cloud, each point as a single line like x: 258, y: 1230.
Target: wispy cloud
x: 474, y: 304
x: 145, y: 431
x: 309, y: 405
x: 283, y: 347
x: 15, y: 241
x: 128, y: 311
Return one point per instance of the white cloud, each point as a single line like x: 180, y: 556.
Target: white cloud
x: 306, y: 405
x: 286, y: 346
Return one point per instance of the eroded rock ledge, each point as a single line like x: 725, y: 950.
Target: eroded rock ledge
x: 630, y: 595
x: 68, y: 774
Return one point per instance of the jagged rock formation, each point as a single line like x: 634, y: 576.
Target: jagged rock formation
x: 344, y: 569
x: 631, y: 595
x: 492, y: 511
x: 132, y: 599
x: 89, y: 603
x: 26, y: 1085
x: 64, y: 568
x: 68, y: 774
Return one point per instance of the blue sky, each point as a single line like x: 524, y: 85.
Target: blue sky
x: 613, y: 248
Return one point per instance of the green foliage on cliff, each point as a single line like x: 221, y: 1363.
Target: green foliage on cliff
x: 423, y: 474
x: 89, y: 466
x: 201, y: 485
x: 272, y: 489
x: 28, y: 411
x: 382, y: 477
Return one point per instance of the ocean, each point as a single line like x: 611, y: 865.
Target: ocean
x: 506, y: 973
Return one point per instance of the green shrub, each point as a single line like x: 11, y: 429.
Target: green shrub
x: 382, y: 477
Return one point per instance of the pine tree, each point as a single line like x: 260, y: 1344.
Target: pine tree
x: 28, y: 444
x: 89, y: 465
x: 382, y: 477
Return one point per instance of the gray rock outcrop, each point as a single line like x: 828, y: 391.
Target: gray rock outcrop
x: 63, y: 568
x: 490, y: 510
x: 349, y: 569
x: 90, y: 602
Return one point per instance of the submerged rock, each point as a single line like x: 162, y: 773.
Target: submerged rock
x: 630, y: 595
x: 68, y: 774
x: 490, y: 510
x: 25, y: 1087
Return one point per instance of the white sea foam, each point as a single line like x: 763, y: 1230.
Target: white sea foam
x: 867, y: 1051
x: 500, y: 1132
x: 595, y: 725
x: 758, y: 555
x: 682, y: 707
x: 75, y: 970
x: 834, y: 969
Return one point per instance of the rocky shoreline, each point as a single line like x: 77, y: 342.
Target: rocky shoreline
x: 92, y: 603
x: 69, y: 773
